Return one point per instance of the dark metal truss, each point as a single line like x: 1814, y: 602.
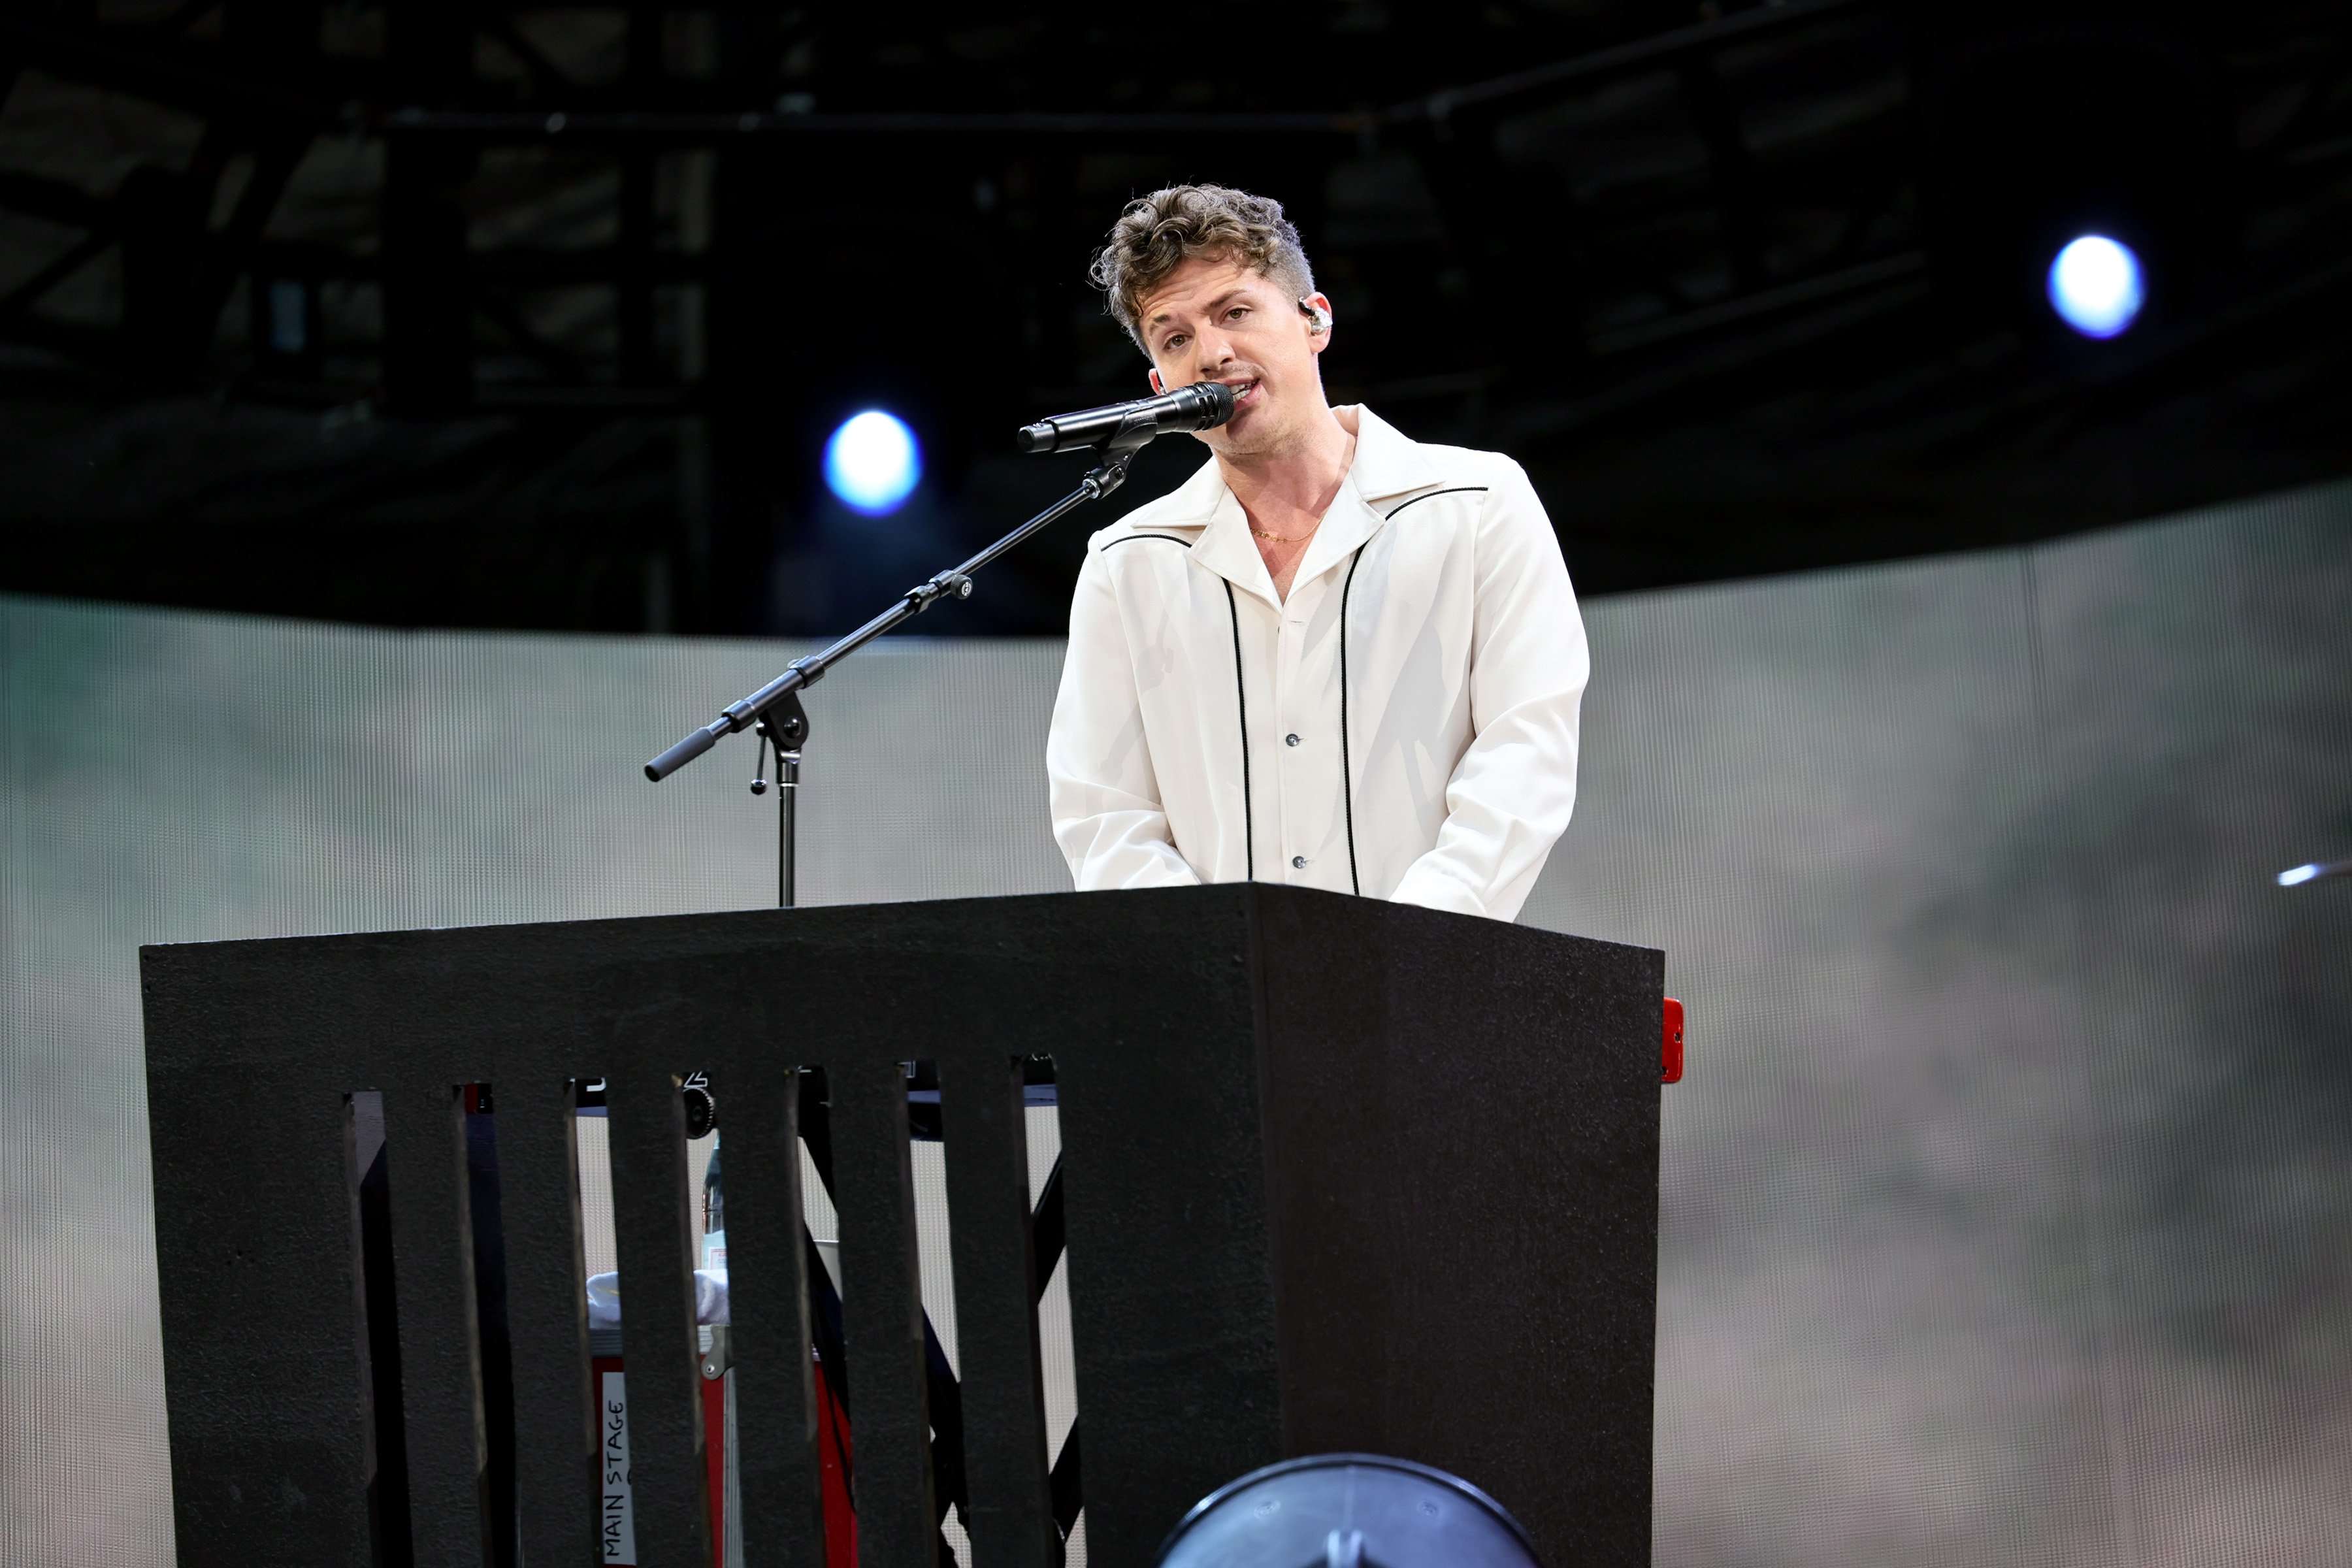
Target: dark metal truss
x: 1621, y: 263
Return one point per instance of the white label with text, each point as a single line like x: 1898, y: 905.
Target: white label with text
x: 619, y: 1521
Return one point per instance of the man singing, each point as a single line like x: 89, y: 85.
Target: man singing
x: 1334, y: 658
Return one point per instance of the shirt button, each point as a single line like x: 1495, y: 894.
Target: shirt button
x: 1298, y: 862
x: 1290, y: 740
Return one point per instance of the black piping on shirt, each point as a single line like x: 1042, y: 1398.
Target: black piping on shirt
x: 1346, y: 760
x: 1455, y: 490
x: 1346, y: 779
x: 1133, y: 537
x: 1241, y: 704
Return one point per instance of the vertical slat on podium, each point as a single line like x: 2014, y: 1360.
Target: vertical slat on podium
x: 767, y: 1277
x: 280, y: 1478
x: 440, y: 1350
x: 1171, y: 1300
x: 547, y: 1317
x: 882, y: 1313
x: 653, y: 1229
x: 1011, y: 1515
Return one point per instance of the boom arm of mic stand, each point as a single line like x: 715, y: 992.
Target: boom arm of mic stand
x: 954, y: 582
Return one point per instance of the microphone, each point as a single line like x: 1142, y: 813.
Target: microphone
x: 1200, y: 407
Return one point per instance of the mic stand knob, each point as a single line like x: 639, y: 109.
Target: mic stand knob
x: 1112, y: 473
x: 947, y: 584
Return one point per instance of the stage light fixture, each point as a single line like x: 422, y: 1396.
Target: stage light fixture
x: 2096, y: 286
x: 872, y: 462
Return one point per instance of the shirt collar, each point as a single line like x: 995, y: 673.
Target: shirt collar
x: 1387, y: 464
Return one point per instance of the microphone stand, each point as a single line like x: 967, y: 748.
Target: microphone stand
x: 775, y: 711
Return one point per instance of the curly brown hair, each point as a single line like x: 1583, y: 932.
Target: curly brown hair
x: 1161, y: 232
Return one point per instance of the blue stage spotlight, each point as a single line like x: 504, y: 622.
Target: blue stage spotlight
x: 2096, y: 286
x: 872, y: 462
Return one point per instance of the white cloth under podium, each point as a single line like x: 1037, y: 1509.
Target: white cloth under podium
x: 710, y: 1298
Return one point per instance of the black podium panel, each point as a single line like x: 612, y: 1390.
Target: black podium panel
x: 1338, y: 1174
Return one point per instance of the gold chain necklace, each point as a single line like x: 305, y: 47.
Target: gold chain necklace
x: 1283, y: 538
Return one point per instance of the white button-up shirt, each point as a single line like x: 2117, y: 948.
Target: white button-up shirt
x: 1404, y: 726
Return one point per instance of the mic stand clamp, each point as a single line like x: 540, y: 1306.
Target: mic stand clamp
x: 774, y: 711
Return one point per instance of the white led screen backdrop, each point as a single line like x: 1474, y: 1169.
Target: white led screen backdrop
x: 2007, y: 1210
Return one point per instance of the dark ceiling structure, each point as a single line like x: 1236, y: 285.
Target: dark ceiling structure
x: 415, y: 312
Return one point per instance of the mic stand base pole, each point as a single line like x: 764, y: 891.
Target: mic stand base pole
x: 788, y: 787
x: 784, y: 726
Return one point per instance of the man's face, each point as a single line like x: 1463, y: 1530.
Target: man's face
x: 1214, y: 319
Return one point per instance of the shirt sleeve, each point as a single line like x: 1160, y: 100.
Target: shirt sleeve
x: 1106, y: 802
x: 1511, y: 794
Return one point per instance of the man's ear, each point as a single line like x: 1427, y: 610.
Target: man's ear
x: 1316, y: 309
x: 1153, y: 376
